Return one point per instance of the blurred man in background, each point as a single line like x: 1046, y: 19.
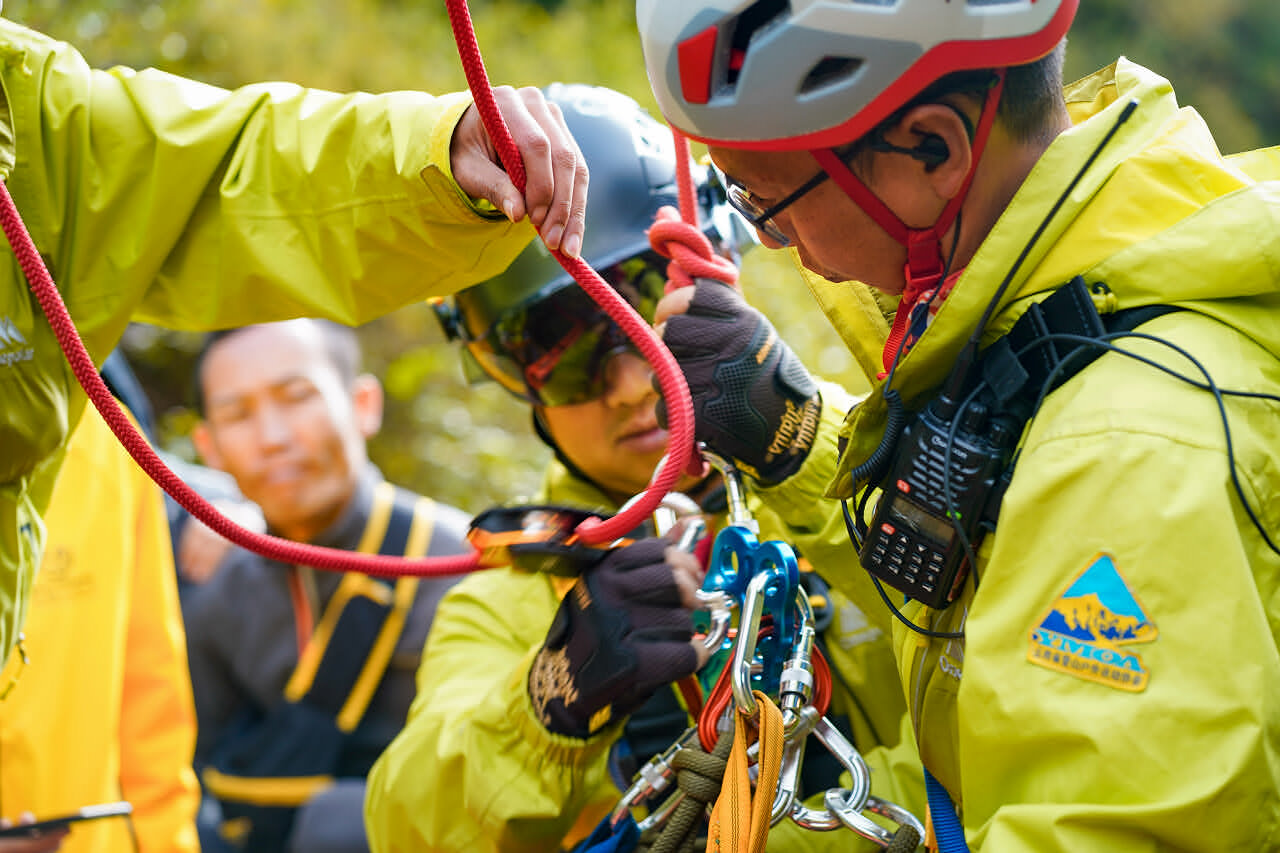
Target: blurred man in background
x: 300, y: 674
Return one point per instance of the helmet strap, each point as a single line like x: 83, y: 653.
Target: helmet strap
x: 925, y: 263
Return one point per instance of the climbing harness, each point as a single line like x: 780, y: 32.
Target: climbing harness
x: 273, y: 761
x: 769, y: 689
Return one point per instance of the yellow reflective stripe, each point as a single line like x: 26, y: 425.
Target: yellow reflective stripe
x: 266, y: 791
x: 424, y: 522
x: 352, y: 584
x: 376, y: 664
x: 235, y: 830
x: 350, y: 587
x: 376, y: 527
x: 416, y: 545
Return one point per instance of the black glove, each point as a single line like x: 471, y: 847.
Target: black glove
x: 753, y: 400
x: 620, y: 633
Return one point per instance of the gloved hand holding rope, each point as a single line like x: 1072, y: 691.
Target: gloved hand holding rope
x: 624, y: 629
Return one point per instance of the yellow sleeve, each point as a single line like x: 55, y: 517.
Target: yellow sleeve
x: 474, y: 770
x: 169, y: 201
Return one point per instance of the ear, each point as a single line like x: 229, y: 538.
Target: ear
x: 202, y: 438
x: 940, y: 136
x: 366, y: 404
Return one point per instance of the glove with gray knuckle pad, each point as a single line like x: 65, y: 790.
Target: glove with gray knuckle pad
x: 620, y: 633
x: 753, y: 399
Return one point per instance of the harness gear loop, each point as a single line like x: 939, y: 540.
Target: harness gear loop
x: 739, y: 819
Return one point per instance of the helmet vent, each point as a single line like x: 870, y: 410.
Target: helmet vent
x: 829, y: 70
x: 758, y: 16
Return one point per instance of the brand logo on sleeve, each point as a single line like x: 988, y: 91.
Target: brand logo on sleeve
x: 13, y: 344
x: 1084, y: 633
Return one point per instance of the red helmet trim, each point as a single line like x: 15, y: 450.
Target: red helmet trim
x: 695, y: 56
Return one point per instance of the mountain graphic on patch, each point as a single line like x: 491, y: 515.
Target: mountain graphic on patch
x: 1099, y: 608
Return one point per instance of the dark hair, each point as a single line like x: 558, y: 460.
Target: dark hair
x: 1029, y: 105
x: 340, y: 344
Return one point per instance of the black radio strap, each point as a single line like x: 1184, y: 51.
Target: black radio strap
x: 1026, y: 363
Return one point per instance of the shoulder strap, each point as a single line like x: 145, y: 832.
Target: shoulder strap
x: 355, y: 638
x: 1018, y: 367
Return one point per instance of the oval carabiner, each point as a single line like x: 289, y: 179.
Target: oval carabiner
x: 910, y: 830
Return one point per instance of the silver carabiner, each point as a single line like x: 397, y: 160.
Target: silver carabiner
x: 653, y: 778
x: 720, y: 605
x: 788, y: 791
x: 841, y: 806
x: 795, y: 686
x: 855, y: 797
x: 744, y: 648
x: 739, y: 514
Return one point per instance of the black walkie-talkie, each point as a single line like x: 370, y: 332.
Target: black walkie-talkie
x: 953, y: 461
x: 912, y: 543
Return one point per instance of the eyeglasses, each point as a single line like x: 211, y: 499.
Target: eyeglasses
x: 554, y: 351
x: 741, y: 199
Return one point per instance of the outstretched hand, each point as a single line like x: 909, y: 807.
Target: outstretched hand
x: 555, y: 193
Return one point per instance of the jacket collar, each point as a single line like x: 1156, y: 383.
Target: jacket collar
x: 1102, y: 230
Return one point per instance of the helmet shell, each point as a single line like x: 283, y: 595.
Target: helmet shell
x: 631, y: 156
x: 805, y: 74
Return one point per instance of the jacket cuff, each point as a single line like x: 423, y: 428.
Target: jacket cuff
x: 558, y: 749
x: 795, y: 497
x: 439, y: 164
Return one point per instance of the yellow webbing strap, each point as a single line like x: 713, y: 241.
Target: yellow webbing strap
x: 739, y: 821
x: 267, y: 791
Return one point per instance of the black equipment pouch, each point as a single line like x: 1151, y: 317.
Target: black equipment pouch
x: 954, y: 460
x: 272, y: 762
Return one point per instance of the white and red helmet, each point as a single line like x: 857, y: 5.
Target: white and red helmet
x: 808, y: 74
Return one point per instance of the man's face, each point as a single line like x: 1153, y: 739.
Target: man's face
x: 615, y: 438
x: 280, y: 419
x: 833, y: 236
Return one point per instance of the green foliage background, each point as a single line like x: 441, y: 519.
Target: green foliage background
x: 472, y: 446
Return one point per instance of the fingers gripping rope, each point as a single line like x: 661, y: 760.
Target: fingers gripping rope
x: 680, y: 445
x: 691, y: 253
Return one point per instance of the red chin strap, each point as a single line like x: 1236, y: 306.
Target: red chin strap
x: 925, y: 262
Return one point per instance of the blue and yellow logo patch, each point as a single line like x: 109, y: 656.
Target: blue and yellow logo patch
x: 1082, y: 633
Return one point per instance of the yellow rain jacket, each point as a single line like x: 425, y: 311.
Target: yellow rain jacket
x: 474, y: 770
x: 1118, y: 683
x: 103, y: 710
x: 168, y: 201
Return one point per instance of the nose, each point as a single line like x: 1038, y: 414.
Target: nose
x: 272, y: 428
x: 628, y: 380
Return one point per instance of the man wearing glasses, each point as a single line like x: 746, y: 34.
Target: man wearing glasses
x: 1094, y: 510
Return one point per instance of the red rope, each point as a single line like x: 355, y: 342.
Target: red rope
x: 592, y: 531
x: 670, y: 379
x: 330, y: 559
x: 689, y: 250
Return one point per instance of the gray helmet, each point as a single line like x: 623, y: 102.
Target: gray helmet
x: 805, y: 74
x: 515, y: 325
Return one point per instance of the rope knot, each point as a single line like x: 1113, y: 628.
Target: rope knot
x: 689, y: 251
